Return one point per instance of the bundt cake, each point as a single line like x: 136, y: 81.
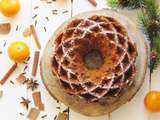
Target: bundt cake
x: 94, y: 58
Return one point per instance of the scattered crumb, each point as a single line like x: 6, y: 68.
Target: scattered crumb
x: 17, y: 28
x: 25, y: 68
x: 36, y: 7
x: 11, y: 82
x: 45, y: 29
x: 34, y: 16
x: 35, y: 23
x: 66, y: 11
x: 4, y: 44
x: 58, y: 107
x: 44, y: 116
x: 21, y: 114
x: 47, y: 18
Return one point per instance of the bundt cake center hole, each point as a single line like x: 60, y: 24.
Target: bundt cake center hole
x: 93, y: 59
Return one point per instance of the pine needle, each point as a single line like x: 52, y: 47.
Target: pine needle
x: 126, y: 3
x: 113, y: 3
x: 149, y: 20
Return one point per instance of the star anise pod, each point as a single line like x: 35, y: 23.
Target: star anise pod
x: 25, y: 81
x: 25, y: 102
x: 32, y: 84
x: 153, y: 25
x: 154, y: 55
x: 123, y: 2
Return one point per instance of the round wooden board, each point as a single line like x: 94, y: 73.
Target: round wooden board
x: 80, y: 105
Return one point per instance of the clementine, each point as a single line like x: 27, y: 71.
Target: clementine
x: 18, y: 51
x: 9, y: 7
x: 152, y: 101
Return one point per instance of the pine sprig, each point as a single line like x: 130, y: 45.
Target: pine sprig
x: 113, y: 3
x: 150, y: 22
x: 156, y: 45
x: 152, y: 9
x: 149, y: 19
x: 155, y: 53
x: 126, y: 3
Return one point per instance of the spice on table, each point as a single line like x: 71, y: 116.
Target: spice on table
x: 9, y: 72
x: 21, y: 114
x: 35, y: 23
x: 34, y: 16
x: 32, y: 84
x: 62, y: 116
x: 44, y: 116
x: 54, y: 12
x: 11, y: 82
x: 66, y: 11
x: 35, y: 63
x: 93, y: 2
x: 25, y: 102
x: 33, y: 114
x: 5, y: 28
x: 34, y: 34
x: 45, y: 29
x: 21, y: 78
x: 37, y: 100
x: 4, y: 44
x: 36, y: 7
x: 47, y: 18
x: 27, y: 32
x: 25, y: 68
x: 17, y: 28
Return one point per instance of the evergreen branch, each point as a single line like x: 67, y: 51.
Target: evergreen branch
x: 149, y: 19
x: 156, y: 45
x: 154, y: 61
x: 152, y: 9
x: 126, y: 3
x: 113, y: 3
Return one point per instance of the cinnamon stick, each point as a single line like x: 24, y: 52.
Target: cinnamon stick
x: 93, y: 2
x: 34, y: 34
x: 35, y: 63
x: 7, y: 75
x: 33, y: 114
x: 5, y: 28
x: 37, y: 100
x: 62, y: 116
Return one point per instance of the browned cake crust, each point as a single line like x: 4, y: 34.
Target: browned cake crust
x: 118, y: 53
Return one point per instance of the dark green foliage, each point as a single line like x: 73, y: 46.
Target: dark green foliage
x: 126, y: 3
x: 149, y: 19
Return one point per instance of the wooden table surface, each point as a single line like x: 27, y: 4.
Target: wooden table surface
x: 10, y: 106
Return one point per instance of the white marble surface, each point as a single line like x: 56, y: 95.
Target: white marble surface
x: 9, y: 103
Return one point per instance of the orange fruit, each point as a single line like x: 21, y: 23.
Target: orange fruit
x: 9, y: 7
x: 18, y: 51
x: 152, y: 101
